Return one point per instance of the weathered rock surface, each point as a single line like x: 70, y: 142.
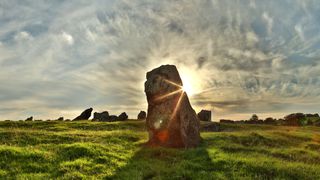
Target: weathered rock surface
x: 171, y: 121
x: 142, y: 115
x: 103, y: 116
x: 85, y: 115
x: 204, y: 115
x: 122, y: 117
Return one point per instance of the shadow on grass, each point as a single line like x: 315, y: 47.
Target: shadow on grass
x: 168, y: 163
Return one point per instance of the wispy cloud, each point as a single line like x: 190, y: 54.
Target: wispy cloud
x: 60, y: 57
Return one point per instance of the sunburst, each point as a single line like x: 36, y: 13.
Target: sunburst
x: 180, y: 90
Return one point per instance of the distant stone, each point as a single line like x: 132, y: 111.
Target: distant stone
x: 142, y: 115
x: 60, y: 119
x: 122, y: 117
x: 113, y: 118
x: 85, y: 115
x: 171, y: 121
x: 103, y: 116
x: 30, y: 118
x: 204, y: 115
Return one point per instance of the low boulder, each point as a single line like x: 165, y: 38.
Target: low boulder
x: 29, y: 119
x: 85, y: 115
x: 204, y: 115
x: 103, y: 116
x: 142, y: 115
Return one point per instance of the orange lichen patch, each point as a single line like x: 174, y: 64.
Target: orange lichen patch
x: 162, y: 136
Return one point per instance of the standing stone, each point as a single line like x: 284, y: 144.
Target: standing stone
x: 142, y: 115
x: 171, y: 121
x: 85, y: 115
x: 104, y: 116
x: 204, y: 115
x: 122, y: 117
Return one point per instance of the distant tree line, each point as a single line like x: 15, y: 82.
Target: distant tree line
x: 294, y: 119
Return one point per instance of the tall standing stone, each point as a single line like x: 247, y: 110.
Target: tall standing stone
x: 171, y: 120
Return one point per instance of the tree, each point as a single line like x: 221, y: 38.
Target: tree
x: 254, y: 118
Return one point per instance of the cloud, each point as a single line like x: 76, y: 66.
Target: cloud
x: 241, y: 57
x: 269, y: 21
x: 22, y: 36
x: 67, y: 38
x: 299, y: 30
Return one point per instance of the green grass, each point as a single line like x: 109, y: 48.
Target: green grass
x: 95, y: 150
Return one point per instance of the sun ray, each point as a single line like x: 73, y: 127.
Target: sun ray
x: 177, y: 106
x: 168, y: 94
x: 173, y: 83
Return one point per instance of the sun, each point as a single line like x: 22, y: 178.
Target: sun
x: 187, y: 85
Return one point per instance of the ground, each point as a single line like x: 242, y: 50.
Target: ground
x: 93, y: 150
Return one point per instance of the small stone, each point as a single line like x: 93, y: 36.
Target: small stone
x: 30, y: 118
x: 142, y: 115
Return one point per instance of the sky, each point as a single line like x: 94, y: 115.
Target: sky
x: 237, y: 57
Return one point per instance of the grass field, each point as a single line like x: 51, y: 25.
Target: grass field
x: 95, y: 150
